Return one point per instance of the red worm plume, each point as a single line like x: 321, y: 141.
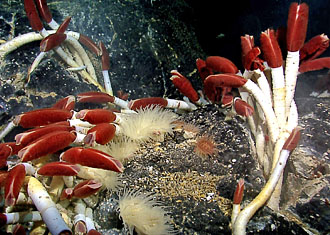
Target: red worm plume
x: 250, y: 53
x: 242, y: 108
x: 47, y: 144
x: 227, y: 99
x: 184, y: 86
x: 292, y: 142
x: 66, y: 103
x: 105, y: 57
x: 66, y: 194
x: 147, y: 102
x: 19, y: 229
x: 297, y: 26
x: 32, y: 14
x: 316, y: 64
x: 64, y: 26
x: 13, y: 184
x: 221, y: 64
x: 86, y: 188
x: 271, y: 49
x: 3, y: 178
x: 28, y: 136
x: 52, y: 41
x: 92, y: 158
x: 86, y: 41
x: 247, y: 43
x: 95, y: 97
x: 44, y: 10
x: 96, y: 116
x: 59, y: 168
x: 102, y: 133
x: 238, y: 195
x: 251, y: 61
x: 314, y: 47
x: 8, y: 149
x: 5, y: 152
x: 215, y: 81
x: 41, y: 117
x: 203, y: 70
x: 93, y: 232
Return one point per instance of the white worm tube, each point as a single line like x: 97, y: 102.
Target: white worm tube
x: 73, y: 53
x: 235, y: 212
x: 79, y: 138
x: 246, y: 214
x: 18, y: 41
x: 29, y: 169
x: 77, y: 68
x: 21, y: 40
x: 107, y: 82
x: 73, y: 41
x: 36, y: 62
x: 67, y: 58
x: 89, y: 219
x: 179, y: 104
x: 23, y: 199
x: 279, y: 95
x: 292, y: 123
x: 247, y: 74
x: 23, y: 217
x: 266, y: 107
x: 293, y: 117
x: 291, y: 73
x: 68, y: 181
x: 80, y: 218
x: 250, y: 119
x: 264, y: 85
x: 26, y: 38
x: 55, y: 188
x: 260, y: 146
x: 10, y: 126
x: 108, y: 178
x: 81, y: 128
x: 83, y: 55
x: 274, y: 199
x: 121, y: 103
x: 53, y: 24
x: 47, y: 208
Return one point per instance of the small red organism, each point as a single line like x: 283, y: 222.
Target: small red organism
x: 205, y: 146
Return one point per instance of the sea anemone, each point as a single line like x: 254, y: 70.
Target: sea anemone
x: 205, y: 146
x: 141, y: 213
x: 148, y: 123
x: 120, y: 148
x: 108, y: 179
x: 190, y: 130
